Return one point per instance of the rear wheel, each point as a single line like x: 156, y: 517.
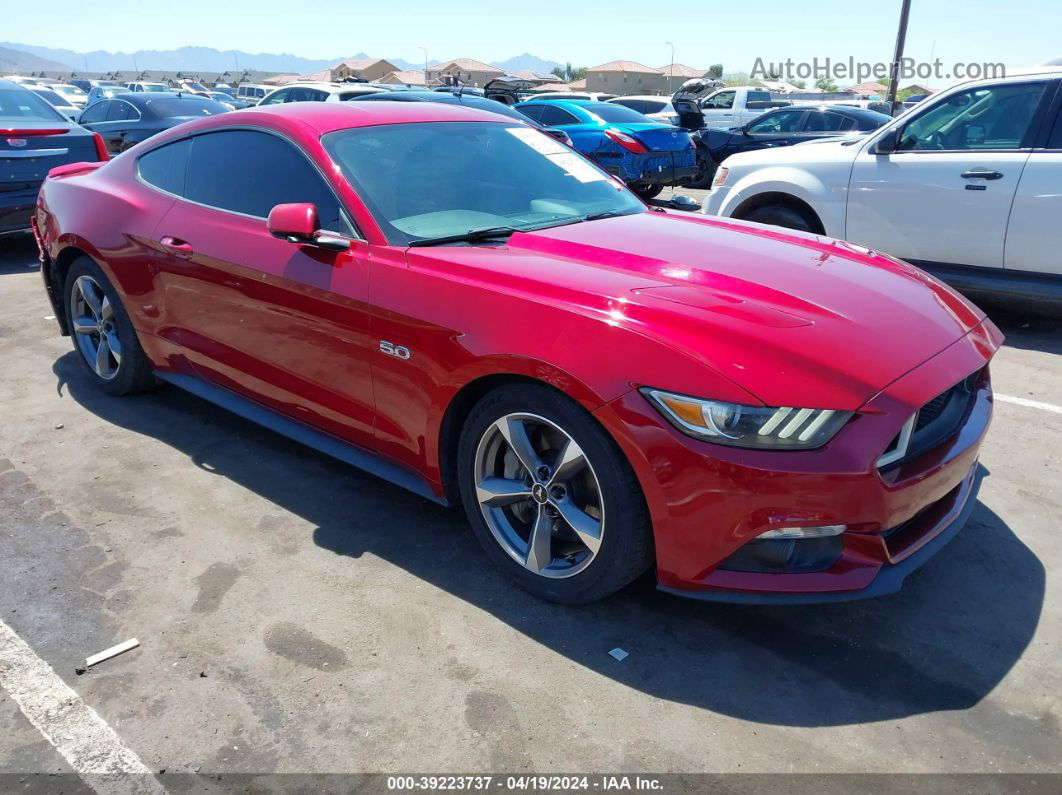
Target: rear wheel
x: 784, y: 215
x: 103, y: 337
x: 705, y: 171
x: 550, y: 496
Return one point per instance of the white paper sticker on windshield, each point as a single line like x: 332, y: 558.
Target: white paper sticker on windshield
x: 577, y: 167
x: 540, y: 142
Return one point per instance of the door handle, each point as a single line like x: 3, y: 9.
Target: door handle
x: 981, y: 175
x: 178, y: 247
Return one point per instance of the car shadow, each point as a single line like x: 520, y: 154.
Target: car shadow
x: 1039, y: 330
x: 18, y: 254
x: 943, y: 643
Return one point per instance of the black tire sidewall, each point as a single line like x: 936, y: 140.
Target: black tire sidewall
x: 134, y: 371
x: 780, y: 215
x: 626, y: 546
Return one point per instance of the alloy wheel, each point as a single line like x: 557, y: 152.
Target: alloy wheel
x: 95, y: 327
x: 539, y: 495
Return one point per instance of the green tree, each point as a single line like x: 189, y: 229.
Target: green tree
x: 715, y: 70
x: 825, y: 84
x: 568, y: 73
x: 798, y: 83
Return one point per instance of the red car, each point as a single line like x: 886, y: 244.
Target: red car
x: 462, y: 305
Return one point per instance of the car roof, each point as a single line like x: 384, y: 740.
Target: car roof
x: 656, y: 97
x: 10, y: 84
x: 321, y: 118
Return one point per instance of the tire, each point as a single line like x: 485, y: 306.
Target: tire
x: 647, y: 192
x: 705, y: 172
x: 122, y: 372
x: 565, y: 568
x: 781, y: 215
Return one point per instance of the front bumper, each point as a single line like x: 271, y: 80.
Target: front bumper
x: 707, y: 502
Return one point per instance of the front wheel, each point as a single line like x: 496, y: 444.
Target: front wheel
x: 781, y: 215
x: 550, y: 496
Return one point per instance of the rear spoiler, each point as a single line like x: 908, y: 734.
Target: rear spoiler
x: 73, y: 168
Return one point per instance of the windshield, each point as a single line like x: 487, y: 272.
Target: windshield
x: 617, y: 114
x: 154, y: 87
x: 20, y: 104
x: 169, y: 107
x: 70, y: 91
x: 437, y: 179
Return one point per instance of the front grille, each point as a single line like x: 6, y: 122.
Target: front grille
x: 933, y: 423
x: 931, y: 410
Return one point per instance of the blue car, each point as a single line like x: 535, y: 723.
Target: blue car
x: 645, y: 154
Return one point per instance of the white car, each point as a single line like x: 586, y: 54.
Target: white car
x: 967, y: 185
x: 142, y: 85
x: 72, y: 94
x: 318, y: 92
x: 585, y: 96
x: 252, y: 92
x: 655, y: 107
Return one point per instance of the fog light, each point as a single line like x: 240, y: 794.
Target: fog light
x: 822, y: 531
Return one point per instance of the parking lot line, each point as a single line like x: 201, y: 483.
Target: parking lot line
x: 1032, y: 404
x: 86, y: 742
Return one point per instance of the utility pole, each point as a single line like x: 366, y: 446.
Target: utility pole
x: 897, y: 56
x: 671, y: 78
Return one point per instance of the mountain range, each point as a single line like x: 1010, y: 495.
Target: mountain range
x: 15, y: 57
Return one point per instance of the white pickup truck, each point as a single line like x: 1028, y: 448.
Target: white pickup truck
x: 736, y: 106
x: 965, y: 185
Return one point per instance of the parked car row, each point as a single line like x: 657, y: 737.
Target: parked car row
x: 452, y: 300
x: 965, y: 185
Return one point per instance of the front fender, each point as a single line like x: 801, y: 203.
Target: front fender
x: 826, y: 199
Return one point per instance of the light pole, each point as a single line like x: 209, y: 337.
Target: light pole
x: 671, y: 78
x: 425, y: 51
x: 894, y: 70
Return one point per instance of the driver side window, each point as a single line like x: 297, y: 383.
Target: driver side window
x: 991, y: 118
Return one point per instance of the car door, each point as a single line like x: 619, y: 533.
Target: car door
x: 944, y: 195
x: 719, y: 109
x: 823, y: 123
x: 778, y: 128
x: 282, y: 323
x: 1032, y: 234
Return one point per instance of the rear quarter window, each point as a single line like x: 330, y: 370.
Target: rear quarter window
x: 165, y: 167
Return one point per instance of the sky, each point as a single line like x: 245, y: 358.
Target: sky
x: 1016, y: 33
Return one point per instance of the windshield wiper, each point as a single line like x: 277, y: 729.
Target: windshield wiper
x: 471, y: 236
x: 605, y: 214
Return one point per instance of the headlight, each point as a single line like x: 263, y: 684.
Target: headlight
x: 784, y: 428
x: 720, y: 176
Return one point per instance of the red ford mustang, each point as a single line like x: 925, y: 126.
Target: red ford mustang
x: 460, y: 304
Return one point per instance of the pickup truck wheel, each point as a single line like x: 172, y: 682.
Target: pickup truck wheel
x: 647, y: 192
x: 781, y: 215
x: 103, y: 337
x: 550, y: 496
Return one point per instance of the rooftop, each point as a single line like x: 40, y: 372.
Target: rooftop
x: 625, y: 66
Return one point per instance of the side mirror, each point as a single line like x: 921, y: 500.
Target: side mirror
x: 297, y: 223
x: 886, y: 144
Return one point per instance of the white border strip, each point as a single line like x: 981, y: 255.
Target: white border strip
x: 1031, y: 404
x: 86, y: 742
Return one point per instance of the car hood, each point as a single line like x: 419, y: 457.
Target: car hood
x: 793, y: 320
